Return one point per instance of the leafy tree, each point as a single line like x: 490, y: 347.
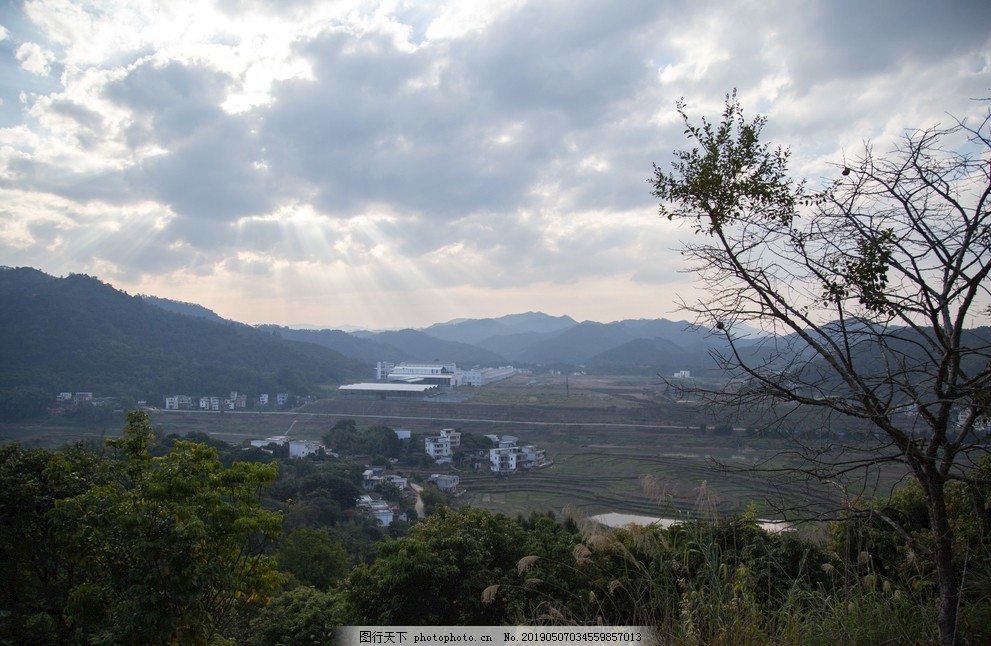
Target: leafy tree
x: 345, y: 437
x: 37, y: 575
x: 302, y: 616
x: 432, y: 498
x: 170, y: 548
x: 312, y: 556
x: 873, y: 288
x: 437, y: 573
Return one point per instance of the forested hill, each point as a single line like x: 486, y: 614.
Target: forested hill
x: 79, y: 334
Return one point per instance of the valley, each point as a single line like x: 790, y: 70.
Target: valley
x: 618, y: 444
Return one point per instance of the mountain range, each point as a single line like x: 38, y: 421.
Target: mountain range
x: 532, y: 339
x: 77, y: 333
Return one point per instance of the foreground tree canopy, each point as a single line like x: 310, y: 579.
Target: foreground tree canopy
x: 155, y: 541
x: 874, y: 289
x: 134, y: 548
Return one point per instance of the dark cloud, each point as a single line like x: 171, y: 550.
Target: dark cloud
x: 172, y: 103
x: 213, y: 167
x: 847, y: 38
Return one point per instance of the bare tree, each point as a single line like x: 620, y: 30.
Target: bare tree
x: 870, y: 292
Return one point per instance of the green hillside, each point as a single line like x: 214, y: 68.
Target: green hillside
x: 79, y: 334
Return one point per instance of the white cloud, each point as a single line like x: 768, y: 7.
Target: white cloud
x: 428, y: 155
x: 34, y: 59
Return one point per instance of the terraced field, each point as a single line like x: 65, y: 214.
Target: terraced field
x: 617, y: 445
x: 631, y: 480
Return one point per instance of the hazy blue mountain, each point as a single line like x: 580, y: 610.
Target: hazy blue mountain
x: 681, y: 332
x: 474, y: 331
x: 655, y: 356
x: 424, y: 347
x: 579, y: 343
x: 514, y: 347
x: 635, y: 346
x: 358, y: 347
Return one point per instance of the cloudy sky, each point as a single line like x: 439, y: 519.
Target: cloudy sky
x: 394, y: 164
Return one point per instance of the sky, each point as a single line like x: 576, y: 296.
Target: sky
x: 400, y: 163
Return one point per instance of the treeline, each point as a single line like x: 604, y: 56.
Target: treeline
x: 193, y: 541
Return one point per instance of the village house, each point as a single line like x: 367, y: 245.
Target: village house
x: 442, y: 447
x: 508, y: 456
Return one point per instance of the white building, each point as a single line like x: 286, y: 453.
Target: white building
x: 481, y: 376
x: 445, y: 481
x: 508, y: 456
x: 444, y: 374
x: 303, y: 448
x: 297, y: 448
x: 370, y: 478
x: 382, y: 370
x: 380, y: 510
x: 442, y: 447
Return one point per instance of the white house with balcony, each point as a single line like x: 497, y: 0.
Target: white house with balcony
x: 443, y: 446
x: 509, y: 456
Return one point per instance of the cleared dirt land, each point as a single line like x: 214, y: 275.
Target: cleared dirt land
x: 617, y: 444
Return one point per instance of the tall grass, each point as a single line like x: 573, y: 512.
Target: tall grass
x: 731, y: 583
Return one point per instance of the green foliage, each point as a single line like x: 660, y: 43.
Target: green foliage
x: 729, y: 173
x: 868, y: 543
x: 303, y: 616
x: 170, y: 548
x: 436, y: 574
x: 347, y: 439
x: 36, y: 578
x: 312, y: 557
x: 433, y: 498
x: 317, y: 494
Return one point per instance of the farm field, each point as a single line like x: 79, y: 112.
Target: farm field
x: 617, y: 444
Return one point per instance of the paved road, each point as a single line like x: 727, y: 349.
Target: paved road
x: 420, y: 511
x: 453, y: 420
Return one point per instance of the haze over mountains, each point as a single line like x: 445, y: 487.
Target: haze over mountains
x: 79, y: 333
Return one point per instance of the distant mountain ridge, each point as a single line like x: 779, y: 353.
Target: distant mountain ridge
x: 167, y: 341
x: 531, y: 339
x: 528, y: 339
x: 79, y: 334
x: 187, y: 309
x: 473, y: 331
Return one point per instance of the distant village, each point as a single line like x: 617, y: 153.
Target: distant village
x: 424, y: 379
x: 406, y: 380
x: 506, y: 456
x: 236, y: 401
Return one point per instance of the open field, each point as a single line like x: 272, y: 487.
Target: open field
x: 617, y: 444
